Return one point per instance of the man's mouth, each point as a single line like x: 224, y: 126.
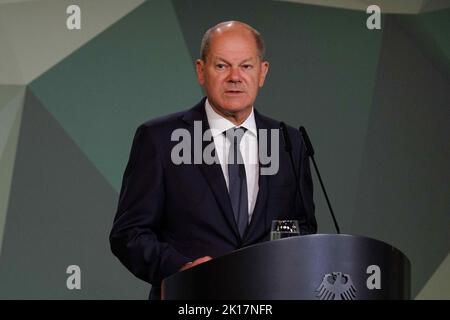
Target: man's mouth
x: 232, y: 92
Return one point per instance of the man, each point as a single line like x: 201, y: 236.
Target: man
x: 174, y: 216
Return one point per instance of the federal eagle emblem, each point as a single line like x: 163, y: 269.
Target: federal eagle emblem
x: 336, y: 286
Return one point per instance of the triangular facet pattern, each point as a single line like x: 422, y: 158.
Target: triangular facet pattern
x: 10, y: 72
x: 60, y: 213
x: 403, y: 187
x: 38, y: 35
x: 438, y: 287
x: 129, y: 74
x: 386, y: 6
x: 10, y: 118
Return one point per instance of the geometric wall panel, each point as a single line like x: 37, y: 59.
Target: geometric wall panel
x: 436, y: 24
x: 126, y: 75
x: 11, y: 103
x: 431, y: 31
x: 35, y: 35
x: 10, y: 72
x: 435, y: 5
x: 375, y: 103
x: 386, y: 6
x: 438, y: 287
x: 404, y: 188
x: 60, y: 213
x: 16, y: 1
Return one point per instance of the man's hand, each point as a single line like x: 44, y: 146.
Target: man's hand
x: 195, y: 262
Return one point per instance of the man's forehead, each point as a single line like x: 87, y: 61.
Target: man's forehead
x: 241, y: 60
x: 225, y: 47
x: 232, y: 35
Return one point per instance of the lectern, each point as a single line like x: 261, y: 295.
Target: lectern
x: 321, y: 266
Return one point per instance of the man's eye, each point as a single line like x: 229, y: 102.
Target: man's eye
x: 220, y: 66
x: 247, y: 66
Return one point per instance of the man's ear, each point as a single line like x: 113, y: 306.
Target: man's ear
x: 263, y: 72
x: 199, y: 67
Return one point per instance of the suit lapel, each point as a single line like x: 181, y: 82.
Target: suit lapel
x: 216, y: 181
x: 212, y: 172
x: 260, y: 212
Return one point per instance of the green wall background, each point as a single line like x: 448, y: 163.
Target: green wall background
x: 376, y: 104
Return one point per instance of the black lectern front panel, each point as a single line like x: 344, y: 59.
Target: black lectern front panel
x: 325, y: 267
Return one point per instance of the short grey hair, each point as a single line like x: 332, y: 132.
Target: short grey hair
x: 206, y: 40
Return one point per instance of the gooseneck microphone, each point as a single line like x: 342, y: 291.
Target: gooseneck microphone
x: 310, y: 153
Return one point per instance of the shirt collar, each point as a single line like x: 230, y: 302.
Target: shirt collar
x: 219, y: 124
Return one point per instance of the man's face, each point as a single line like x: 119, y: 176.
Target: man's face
x: 233, y: 72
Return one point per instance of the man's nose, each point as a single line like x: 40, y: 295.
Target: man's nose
x: 235, y: 75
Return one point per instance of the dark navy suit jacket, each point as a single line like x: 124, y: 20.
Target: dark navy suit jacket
x: 171, y: 214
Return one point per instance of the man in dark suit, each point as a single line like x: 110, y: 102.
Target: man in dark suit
x: 175, y: 215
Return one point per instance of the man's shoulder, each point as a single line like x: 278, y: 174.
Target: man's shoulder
x: 271, y: 123
x: 265, y: 122
x: 171, y: 121
x: 164, y: 121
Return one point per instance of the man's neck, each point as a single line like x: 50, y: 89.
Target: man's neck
x: 237, y: 118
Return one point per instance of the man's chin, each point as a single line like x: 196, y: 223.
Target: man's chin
x: 231, y: 106
x: 233, y: 109
x: 236, y: 105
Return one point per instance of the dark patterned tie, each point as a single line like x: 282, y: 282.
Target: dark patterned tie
x: 237, y: 179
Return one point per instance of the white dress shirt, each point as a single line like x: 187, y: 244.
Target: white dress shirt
x: 248, y: 147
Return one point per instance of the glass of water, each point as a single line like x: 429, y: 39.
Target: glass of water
x: 284, y: 229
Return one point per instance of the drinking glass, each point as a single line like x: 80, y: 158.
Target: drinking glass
x: 284, y: 229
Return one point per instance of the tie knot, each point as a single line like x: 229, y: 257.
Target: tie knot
x: 235, y: 134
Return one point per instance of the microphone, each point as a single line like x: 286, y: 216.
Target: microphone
x: 310, y: 153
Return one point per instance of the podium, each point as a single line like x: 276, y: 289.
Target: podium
x: 312, y: 267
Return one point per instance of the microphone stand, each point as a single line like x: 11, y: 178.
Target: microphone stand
x: 310, y: 152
